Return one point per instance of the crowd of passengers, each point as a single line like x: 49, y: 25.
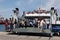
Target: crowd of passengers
x: 39, y: 23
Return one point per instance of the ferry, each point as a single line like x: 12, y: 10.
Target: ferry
x: 53, y: 25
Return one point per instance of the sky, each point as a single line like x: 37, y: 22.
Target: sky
x: 6, y: 6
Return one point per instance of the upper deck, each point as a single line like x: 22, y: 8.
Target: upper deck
x: 37, y: 13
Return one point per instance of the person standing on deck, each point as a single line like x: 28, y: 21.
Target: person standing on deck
x: 38, y: 23
x: 22, y: 23
x: 15, y: 23
x: 6, y: 24
x: 11, y: 24
x: 42, y: 24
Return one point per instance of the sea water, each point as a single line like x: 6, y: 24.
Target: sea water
x: 2, y: 28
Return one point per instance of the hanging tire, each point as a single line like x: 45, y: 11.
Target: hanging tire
x: 58, y: 33
x: 16, y: 31
x: 51, y: 34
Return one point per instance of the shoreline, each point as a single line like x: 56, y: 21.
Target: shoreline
x: 4, y: 33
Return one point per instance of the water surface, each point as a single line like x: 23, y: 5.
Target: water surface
x: 2, y: 28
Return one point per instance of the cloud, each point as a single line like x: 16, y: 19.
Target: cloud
x: 5, y: 10
x: 57, y: 4
x: 49, y: 4
x: 6, y: 13
x: 30, y: 1
x: 20, y: 3
x: 2, y: 0
x: 53, y: 3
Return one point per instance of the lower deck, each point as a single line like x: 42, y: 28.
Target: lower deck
x: 30, y: 30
